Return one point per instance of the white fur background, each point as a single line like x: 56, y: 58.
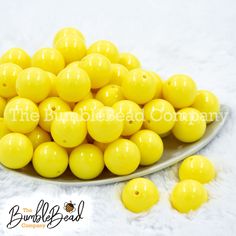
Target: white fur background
x: 186, y: 36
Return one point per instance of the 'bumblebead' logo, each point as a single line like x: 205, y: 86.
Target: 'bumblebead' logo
x: 45, y: 215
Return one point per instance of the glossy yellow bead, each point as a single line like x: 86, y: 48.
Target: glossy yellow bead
x: 16, y: 150
x: 74, y: 64
x: 17, y: 56
x: 71, y: 47
x: 50, y: 160
x: 129, y: 61
x: 139, y: 86
x: 38, y: 136
x: 88, y: 96
x: 131, y: 114
x: 8, y: 74
x: 34, y: 84
x: 73, y: 84
x: 68, y: 31
x: 190, y: 125
x: 3, y: 103
x: 105, y: 126
x: 49, y: 109
x: 68, y: 129
x: 119, y: 73
x: 158, y: 83
x: 21, y: 115
x: 98, y: 68
x: 198, y: 168
x: 207, y: 103
x: 110, y: 94
x: 122, y: 157
x: 53, y: 79
x: 101, y: 146
x: 87, y: 107
x: 86, y: 161
x: 180, y: 91
x: 150, y: 146
x: 188, y: 195
x: 106, y: 48
x: 159, y: 116
x: 3, y: 128
x: 48, y: 59
x: 140, y: 195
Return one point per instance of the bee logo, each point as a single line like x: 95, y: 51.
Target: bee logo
x: 69, y: 207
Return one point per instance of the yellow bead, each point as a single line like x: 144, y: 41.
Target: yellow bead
x: 21, y: 115
x: 48, y: 59
x: 38, y: 136
x: 119, y: 73
x: 86, y: 161
x: 101, y: 146
x: 180, y: 91
x: 3, y: 103
x: 159, y: 84
x: 106, y: 48
x: 129, y: 61
x: 150, y: 146
x: 74, y: 64
x: 188, y: 195
x: 98, y: 68
x: 8, y: 74
x: 50, y: 160
x: 190, y: 125
x: 53, y: 79
x: 131, y: 114
x: 88, y: 96
x: 68, y: 31
x: 207, y: 103
x: 3, y: 128
x: 71, y: 47
x: 34, y: 84
x: 110, y: 94
x: 198, y: 168
x: 16, y: 150
x: 139, y: 86
x: 159, y: 116
x: 68, y: 129
x: 73, y: 84
x: 105, y: 126
x: 122, y: 157
x: 17, y: 56
x: 139, y: 195
x: 49, y: 109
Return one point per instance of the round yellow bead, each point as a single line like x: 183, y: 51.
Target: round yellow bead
x: 139, y: 86
x: 198, y: 168
x: 159, y: 116
x: 188, y: 195
x: 98, y: 68
x: 50, y: 160
x: 38, y: 136
x: 190, y: 125
x: 68, y: 129
x: 86, y: 161
x: 8, y: 75
x: 129, y: 61
x: 105, y: 126
x: 3, y: 128
x: 140, y: 195
x: 159, y: 84
x: 180, y: 91
x: 3, y: 103
x: 207, y: 103
x: 48, y: 59
x: 119, y: 73
x: 106, y: 48
x: 49, y: 109
x: 34, y: 84
x: 122, y: 157
x: 16, y: 150
x: 17, y: 56
x: 131, y: 114
x: 21, y: 115
x: 150, y: 146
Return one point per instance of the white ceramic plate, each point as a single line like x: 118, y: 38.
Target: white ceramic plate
x: 174, y: 151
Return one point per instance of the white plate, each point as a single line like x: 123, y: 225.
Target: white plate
x: 174, y: 151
